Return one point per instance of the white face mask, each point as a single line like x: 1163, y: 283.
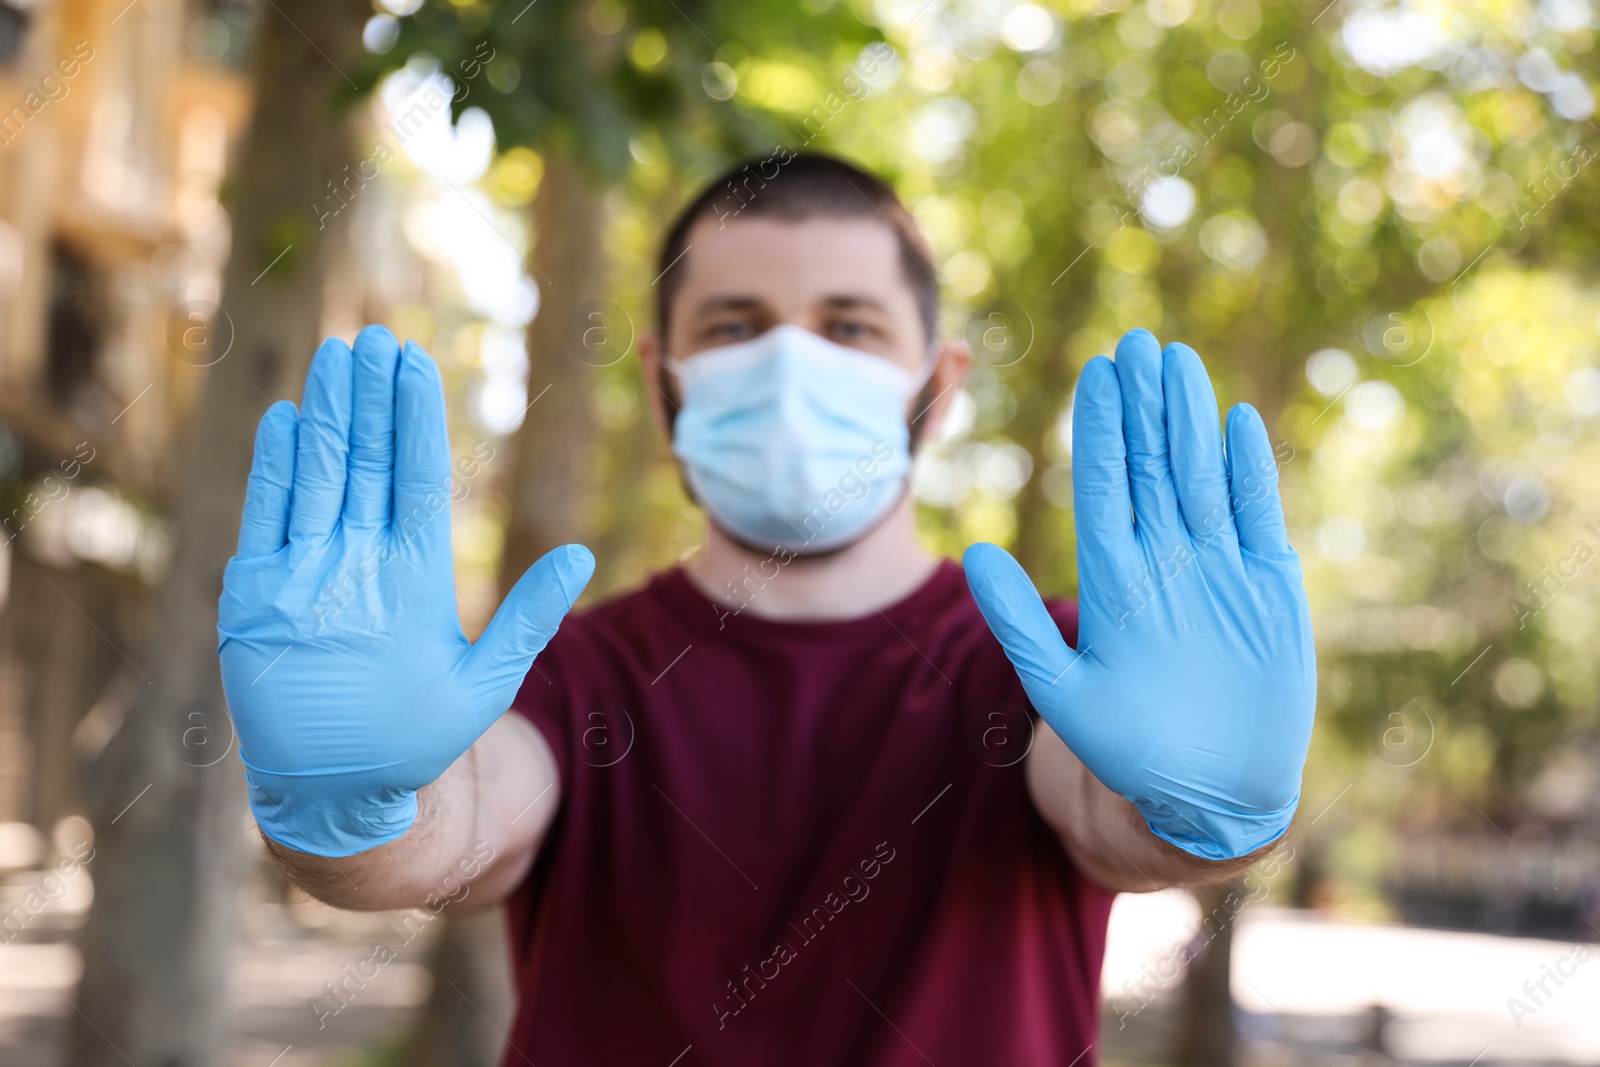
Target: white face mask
x: 792, y: 442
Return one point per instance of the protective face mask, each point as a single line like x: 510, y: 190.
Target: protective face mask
x: 792, y: 442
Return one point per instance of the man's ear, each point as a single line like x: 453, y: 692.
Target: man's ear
x: 650, y: 366
x: 951, y: 363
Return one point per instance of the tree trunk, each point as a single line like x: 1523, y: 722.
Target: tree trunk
x: 168, y: 841
x: 470, y: 1009
x: 65, y: 672
x: 568, y: 336
x: 1206, y: 1033
x: 471, y: 974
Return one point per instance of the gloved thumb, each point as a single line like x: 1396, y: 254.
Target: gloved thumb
x: 527, y: 620
x: 1023, y: 626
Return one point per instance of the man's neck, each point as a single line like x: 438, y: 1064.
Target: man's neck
x: 884, y: 566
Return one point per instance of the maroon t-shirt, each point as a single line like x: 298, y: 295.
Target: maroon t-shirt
x: 796, y: 843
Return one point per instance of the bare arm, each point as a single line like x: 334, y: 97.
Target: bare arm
x: 478, y: 830
x: 1105, y: 835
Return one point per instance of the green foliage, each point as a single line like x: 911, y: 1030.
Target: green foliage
x: 586, y: 78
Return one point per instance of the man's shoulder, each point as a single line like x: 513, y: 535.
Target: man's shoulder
x: 631, y: 607
x: 623, y: 621
x: 598, y: 646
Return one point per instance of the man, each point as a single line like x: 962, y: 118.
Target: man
x: 774, y: 807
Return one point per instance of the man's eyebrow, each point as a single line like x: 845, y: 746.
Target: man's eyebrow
x: 833, y: 301
x: 845, y: 301
x: 729, y: 303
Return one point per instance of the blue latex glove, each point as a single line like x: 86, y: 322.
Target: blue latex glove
x: 350, y: 682
x: 1194, y: 686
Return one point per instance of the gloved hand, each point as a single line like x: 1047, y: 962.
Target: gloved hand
x: 350, y: 682
x: 1194, y: 684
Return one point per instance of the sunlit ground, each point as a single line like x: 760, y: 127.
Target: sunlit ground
x: 1305, y: 987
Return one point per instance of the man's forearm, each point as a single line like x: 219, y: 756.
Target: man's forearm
x: 477, y: 829
x: 1105, y: 834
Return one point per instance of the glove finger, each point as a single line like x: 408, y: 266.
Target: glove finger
x: 532, y: 612
x: 264, y: 526
x: 1144, y: 429
x: 1102, y: 506
x: 1020, y: 622
x: 1199, y: 468
x: 421, y: 453
x: 371, y: 479
x: 324, y: 443
x: 1253, y: 481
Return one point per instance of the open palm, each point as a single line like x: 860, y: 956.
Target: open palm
x: 1193, y: 688
x: 350, y: 682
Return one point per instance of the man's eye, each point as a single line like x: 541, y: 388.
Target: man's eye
x: 850, y: 330
x: 729, y: 331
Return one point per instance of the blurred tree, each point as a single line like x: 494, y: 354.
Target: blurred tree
x: 1207, y: 1034
x: 160, y: 936
x: 470, y: 1008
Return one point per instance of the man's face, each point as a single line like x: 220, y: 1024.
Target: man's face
x: 840, y: 278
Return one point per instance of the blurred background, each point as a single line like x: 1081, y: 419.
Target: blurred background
x: 1376, y: 221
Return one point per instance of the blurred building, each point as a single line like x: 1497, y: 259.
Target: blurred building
x: 1545, y: 882
x: 116, y: 120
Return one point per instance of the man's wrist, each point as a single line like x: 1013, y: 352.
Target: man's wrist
x: 397, y: 871
x: 1186, y: 867
x: 318, y: 824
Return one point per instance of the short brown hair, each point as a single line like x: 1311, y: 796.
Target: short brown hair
x: 794, y: 186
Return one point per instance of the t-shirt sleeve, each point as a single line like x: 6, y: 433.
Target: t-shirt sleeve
x: 545, y: 698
